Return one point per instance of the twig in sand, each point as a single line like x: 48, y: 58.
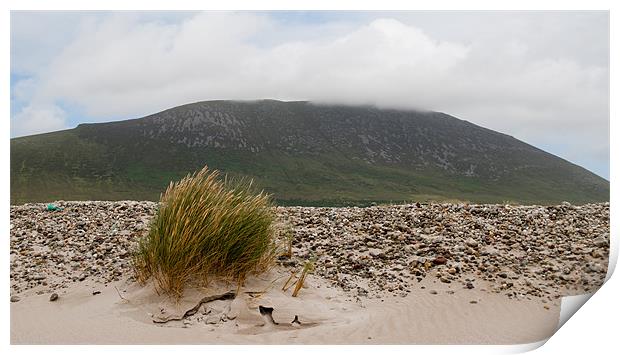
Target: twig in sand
x: 293, y: 273
x: 258, y: 294
x: 239, y: 284
x: 119, y: 294
x: 300, y: 282
x: 289, y: 286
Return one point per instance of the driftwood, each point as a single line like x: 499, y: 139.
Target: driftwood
x: 163, y: 318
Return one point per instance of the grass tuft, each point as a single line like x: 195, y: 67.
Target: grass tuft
x: 206, y: 228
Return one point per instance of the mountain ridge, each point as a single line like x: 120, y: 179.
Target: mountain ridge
x: 301, y: 152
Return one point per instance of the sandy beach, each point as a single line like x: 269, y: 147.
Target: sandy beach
x: 410, y: 274
x: 79, y: 317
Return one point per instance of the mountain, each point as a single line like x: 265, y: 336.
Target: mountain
x: 303, y: 153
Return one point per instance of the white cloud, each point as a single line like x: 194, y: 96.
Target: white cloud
x: 124, y: 68
x: 38, y: 119
x: 539, y: 78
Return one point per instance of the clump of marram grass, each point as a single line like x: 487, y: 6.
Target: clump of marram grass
x: 206, y: 228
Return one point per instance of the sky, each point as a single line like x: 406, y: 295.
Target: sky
x: 542, y: 77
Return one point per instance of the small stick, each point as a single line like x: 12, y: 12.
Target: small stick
x: 299, y: 284
x: 240, y: 283
x: 293, y: 273
x: 307, y: 268
x: 289, y: 286
x: 119, y: 294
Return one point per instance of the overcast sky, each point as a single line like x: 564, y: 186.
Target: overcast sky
x: 542, y: 77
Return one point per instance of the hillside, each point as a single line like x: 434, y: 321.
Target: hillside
x: 301, y: 152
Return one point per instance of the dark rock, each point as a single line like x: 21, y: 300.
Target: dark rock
x: 440, y: 260
x: 288, y: 263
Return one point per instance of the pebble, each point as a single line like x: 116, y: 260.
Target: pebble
x: 53, y: 297
x: 212, y: 319
x: 385, y: 248
x: 440, y: 260
x: 471, y: 242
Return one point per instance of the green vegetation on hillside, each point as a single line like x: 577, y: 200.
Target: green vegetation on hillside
x: 299, y: 162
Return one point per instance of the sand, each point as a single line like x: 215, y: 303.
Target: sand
x: 409, y: 274
x: 327, y: 316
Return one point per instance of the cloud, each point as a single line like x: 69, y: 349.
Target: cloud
x: 38, y: 119
x: 537, y: 77
x: 124, y: 68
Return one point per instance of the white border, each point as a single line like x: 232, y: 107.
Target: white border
x: 592, y: 329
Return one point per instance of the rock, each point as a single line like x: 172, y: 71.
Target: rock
x: 96, y: 292
x: 212, y: 319
x: 376, y: 253
x: 471, y: 242
x: 440, y: 260
x: 600, y: 242
x: 596, y: 268
x: 596, y: 254
x: 517, y: 250
x: 433, y: 292
x: 53, y: 297
x: 236, y: 307
x: 289, y: 263
x: 15, y: 298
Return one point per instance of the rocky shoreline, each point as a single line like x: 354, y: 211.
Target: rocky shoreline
x: 521, y: 251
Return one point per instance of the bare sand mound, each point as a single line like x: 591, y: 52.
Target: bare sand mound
x: 433, y: 313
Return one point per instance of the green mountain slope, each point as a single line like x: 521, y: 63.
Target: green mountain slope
x: 301, y: 152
